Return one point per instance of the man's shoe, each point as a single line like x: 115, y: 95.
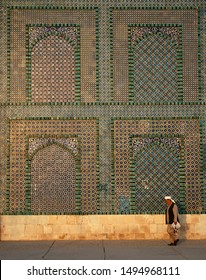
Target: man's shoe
x: 172, y: 244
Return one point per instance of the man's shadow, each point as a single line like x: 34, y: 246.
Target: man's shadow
x: 184, y: 228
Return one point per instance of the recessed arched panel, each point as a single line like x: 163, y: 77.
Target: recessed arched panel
x: 53, y: 180
x: 155, y: 69
x: 157, y: 175
x: 53, y: 70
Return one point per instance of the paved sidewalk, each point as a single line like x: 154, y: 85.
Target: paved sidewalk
x: 102, y: 250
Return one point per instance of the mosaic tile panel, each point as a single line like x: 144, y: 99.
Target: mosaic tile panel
x: 139, y: 33
x: 3, y: 51
x: 103, y: 73
x: 154, y: 61
x: 204, y: 174
x: 56, y: 74
x: 188, y: 167
x: 59, y: 148
x: 35, y: 144
x: 139, y: 143
x: 52, y: 52
x: 121, y: 19
x: 53, y: 178
x: 53, y: 165
x: 156, y: 167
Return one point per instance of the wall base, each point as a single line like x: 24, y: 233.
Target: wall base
x: 97, y: 227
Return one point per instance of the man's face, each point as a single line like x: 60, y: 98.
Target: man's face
x: 168, y: 201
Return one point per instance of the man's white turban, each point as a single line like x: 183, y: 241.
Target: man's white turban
x: 169, y: 198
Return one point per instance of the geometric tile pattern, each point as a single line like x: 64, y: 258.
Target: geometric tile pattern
x: 162, y: 156
x: 157, y: 175
x: 53, y: 174
x: 139, y: 143
x: 204, y: 173
x: 139, y: 33
x: 37, y: 33
x: 103, y: 100
x: 155, y: 69
x: 49, y: 157
x: 48, y: 53
x: 163, y: 39
x: 53, y: 180
x: 39, y: 143
x: 53, y: 63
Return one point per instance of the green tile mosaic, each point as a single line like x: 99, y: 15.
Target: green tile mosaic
x: 50, y: 63
x: 55, y: 163
x: 160, y: 146
x: 124, y: 69
x: 46, y: 79
x: 156, y: 168
x: 155, y: 63
x: 62, y: 183
x: 96, y: 91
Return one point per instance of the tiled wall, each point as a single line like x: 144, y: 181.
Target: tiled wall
x: 102, y: 111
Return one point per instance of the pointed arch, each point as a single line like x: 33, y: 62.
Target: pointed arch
x: 153, y: 71
x: 166, y: 147
x: 41, y: 147
x: 53, y: 76
x: 53, y: 180
x: 155, y: 174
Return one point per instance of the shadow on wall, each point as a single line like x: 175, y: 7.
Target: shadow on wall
x: 184, y: 227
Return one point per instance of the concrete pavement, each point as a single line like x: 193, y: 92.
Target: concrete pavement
x: 102, y: 250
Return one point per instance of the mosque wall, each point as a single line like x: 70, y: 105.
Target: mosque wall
x: 102, y: 114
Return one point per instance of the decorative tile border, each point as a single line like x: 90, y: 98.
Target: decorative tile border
x: 200, y: 55
x: 8, y: 53
x: 126, y: 19
x: 202, y: 166
x: 74, y: 104
x: 160, y: 6
x: 80, y: 84
x: 80, y: 159
x: 187, y: 206
x: 77, y: 158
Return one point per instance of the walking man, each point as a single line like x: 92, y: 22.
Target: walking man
x: 172, y: 221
